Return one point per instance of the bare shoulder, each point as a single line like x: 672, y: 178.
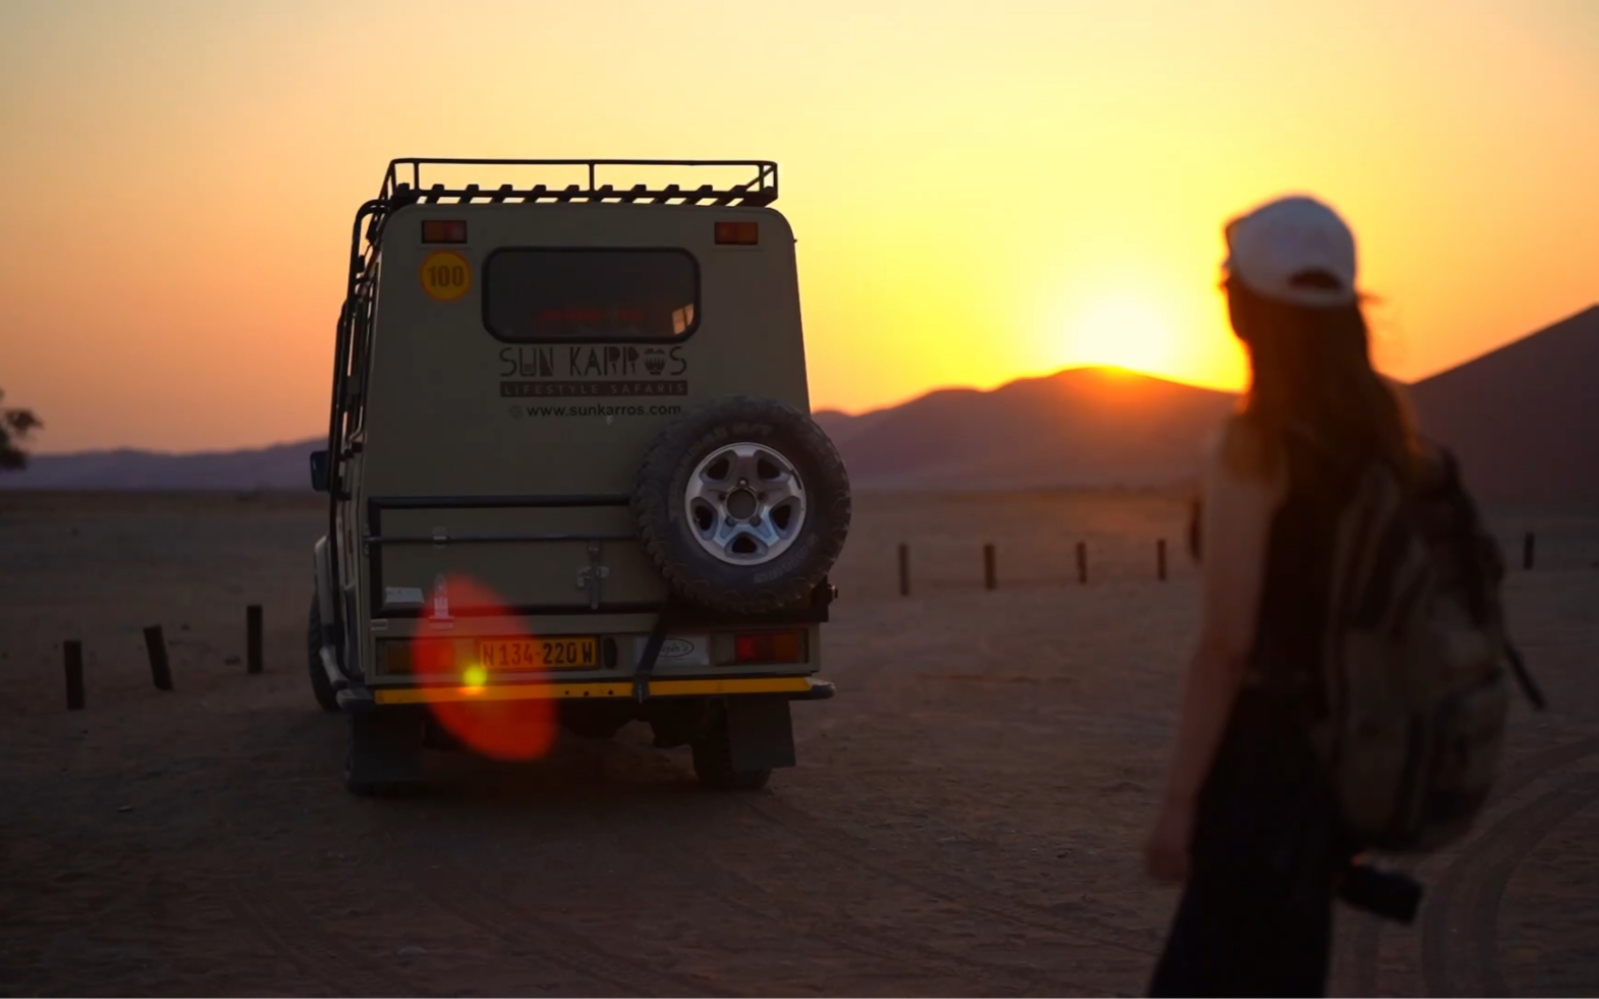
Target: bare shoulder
x: 1242, y: 450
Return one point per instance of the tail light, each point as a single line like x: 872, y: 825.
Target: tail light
x: 738, y: 233
x: 443, y: 231
x: 769, y: 647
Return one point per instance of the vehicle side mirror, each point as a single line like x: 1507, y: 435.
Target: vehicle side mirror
x: 319, y: 471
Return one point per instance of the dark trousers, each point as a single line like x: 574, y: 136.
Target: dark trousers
x: 1256, y: 914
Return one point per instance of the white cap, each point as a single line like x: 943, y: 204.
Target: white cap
x: 1268, y: 247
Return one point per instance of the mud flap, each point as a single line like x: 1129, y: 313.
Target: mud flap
x: 1518, y: 667
x: 760, y: 733
x: 652, y: 652
x: 385, y: 749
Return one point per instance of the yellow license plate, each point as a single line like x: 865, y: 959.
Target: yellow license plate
x: 539, y: 653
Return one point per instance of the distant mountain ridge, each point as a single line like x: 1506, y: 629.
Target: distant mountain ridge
x: 278, y: 467
x: 1080, y: 428
x: 1523, y: 418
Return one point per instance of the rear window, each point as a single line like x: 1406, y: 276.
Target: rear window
x: 591, y: 294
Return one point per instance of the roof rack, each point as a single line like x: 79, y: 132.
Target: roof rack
x: 403, y: 184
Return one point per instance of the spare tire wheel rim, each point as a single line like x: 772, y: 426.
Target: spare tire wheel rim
x: 745, y: 504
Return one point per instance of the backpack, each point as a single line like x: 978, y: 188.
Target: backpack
x: 1415, y: 656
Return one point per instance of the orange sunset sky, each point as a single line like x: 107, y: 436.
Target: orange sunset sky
x: 981, y: 190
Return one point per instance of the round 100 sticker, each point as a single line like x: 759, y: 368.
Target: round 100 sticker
x: 446, y: 276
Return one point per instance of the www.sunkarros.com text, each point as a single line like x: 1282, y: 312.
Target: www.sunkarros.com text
x: 595, y: 410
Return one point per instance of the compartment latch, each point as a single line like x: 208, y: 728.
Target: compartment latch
x: 591, y: 577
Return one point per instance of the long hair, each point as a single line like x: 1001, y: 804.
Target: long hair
x: 1311, y: 372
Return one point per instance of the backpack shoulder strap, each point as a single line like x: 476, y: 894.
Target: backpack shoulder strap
x: 1444, y: 478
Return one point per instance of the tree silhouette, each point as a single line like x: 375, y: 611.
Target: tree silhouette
x: 15, y: 425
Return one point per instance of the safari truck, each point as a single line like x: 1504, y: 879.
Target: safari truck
x: 573, y: 480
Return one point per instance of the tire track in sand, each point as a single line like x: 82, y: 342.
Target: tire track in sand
x: 261, y: 899
x: 851, y: 849
x: 295, y: 932
x: 709, y: 876
x: 1362, y: 956
x: 296, y: 937
x: 526, y: 934
x: 1467, y: 900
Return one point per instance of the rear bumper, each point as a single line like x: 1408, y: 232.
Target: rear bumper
x: 794, y: 688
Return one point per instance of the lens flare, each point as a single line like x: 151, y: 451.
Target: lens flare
x: 504, y: 729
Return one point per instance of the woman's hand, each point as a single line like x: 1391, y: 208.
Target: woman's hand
x: 1166, y: 851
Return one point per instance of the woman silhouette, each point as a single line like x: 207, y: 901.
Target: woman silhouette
x: 1248, y: 824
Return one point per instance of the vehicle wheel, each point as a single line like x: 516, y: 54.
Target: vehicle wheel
x: 354, y: 784
x: 325, y: 694
x: 383, y: 755
x: 371, y: 788
x: 743, y: 506
x: 713, y: 763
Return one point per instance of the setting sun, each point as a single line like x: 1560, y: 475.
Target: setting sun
x: 1124, y: 332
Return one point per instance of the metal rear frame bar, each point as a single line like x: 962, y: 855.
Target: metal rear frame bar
x: 375, y: 541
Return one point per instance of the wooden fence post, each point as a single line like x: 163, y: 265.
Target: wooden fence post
x: 252, y: 638
x: 990, y: 575
x: 73, y: 654
x: 156, y: 646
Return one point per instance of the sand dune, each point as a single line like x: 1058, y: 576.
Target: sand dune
x: 1525, y: 418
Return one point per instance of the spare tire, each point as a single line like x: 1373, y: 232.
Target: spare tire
x: 743, y: 505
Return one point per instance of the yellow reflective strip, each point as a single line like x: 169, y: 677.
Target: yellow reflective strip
x: 578, y: 691
x: 503, y: 692
x: 772, y: 685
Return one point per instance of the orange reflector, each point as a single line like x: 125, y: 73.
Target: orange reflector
x: 769, y: 647
x: 738, y: 233
x: 443, y: 231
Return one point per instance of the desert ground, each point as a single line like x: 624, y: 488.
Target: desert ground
x: 965, y: 820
